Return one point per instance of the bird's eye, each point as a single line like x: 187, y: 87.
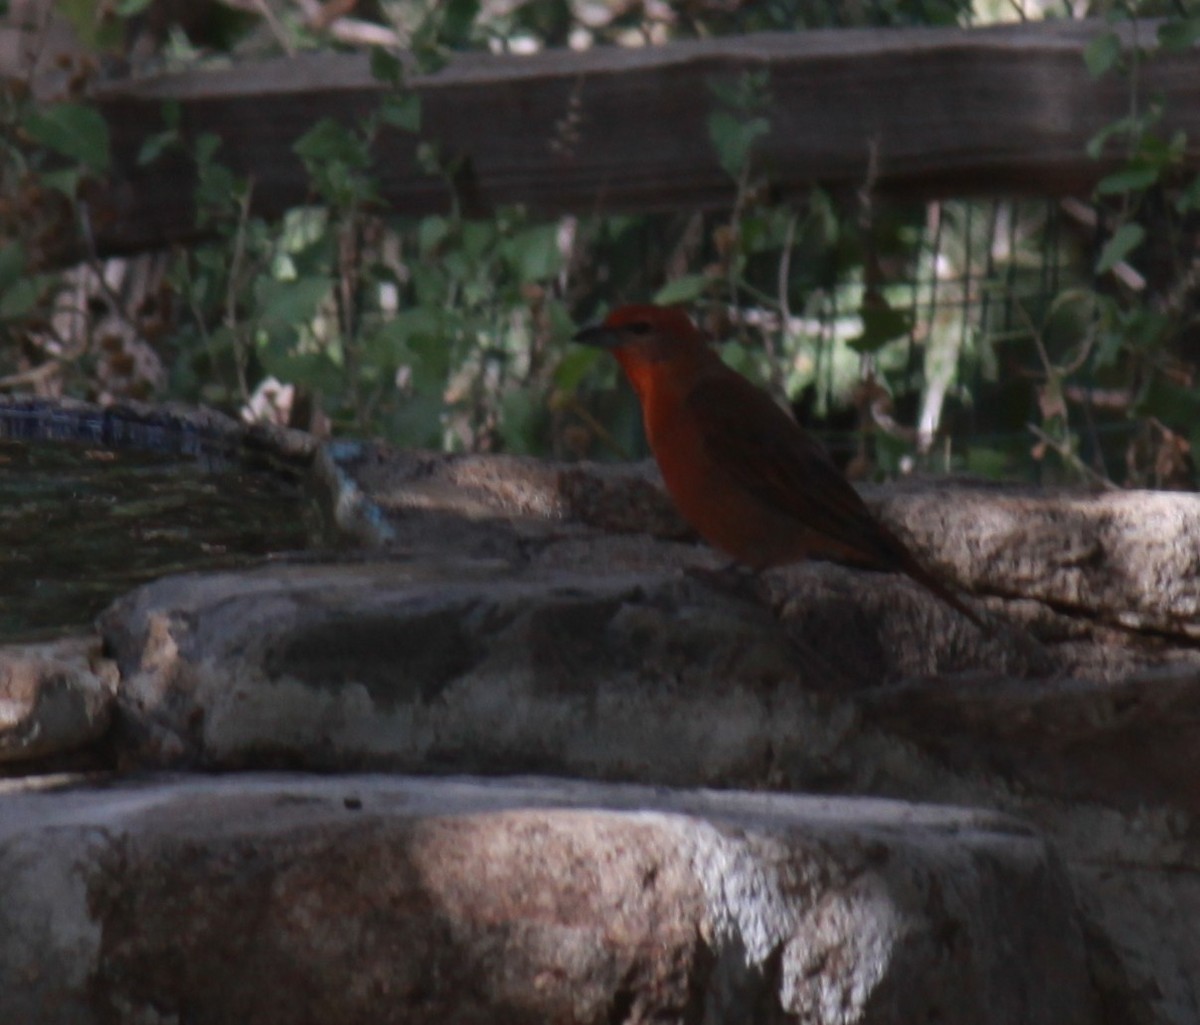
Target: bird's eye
x: 641, y: 327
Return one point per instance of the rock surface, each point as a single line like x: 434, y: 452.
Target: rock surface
x: 462, y: 666
x: 377, y: 900
x: 55, y: 698
x: 528, y: 617
x: 475, y: 666
x: 1128, y: 559
x: 660, y: 676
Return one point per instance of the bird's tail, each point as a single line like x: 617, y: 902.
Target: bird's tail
x: 900, y: 558
x: 940, y: 589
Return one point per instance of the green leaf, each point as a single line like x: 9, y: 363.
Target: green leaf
x: 1122, y: 126
x: 328, y: 141
x: 881, y: 324
x: 1108, y: 347
x: 989, y: 462
x: 417, y: 422
x: 431, y: 233
x: 386, y: 66
x: 402, y: 110
x: 430, y: 284
x: 65, y: 181
x: 615, y: 226
x: 682, y: 290
x: 1124, y: 241
x: 312, y: 370
x: 72, y: 130
x: 1154, y: 151
x: 1102, y: 53
x: 388, y: 343
x: 337, y: 158
x: 20, y: 299
x: 1179, y: 33
x: 306, y: 238
x: 1132, y: 179
x: 12, y: 264
x: 95, y: 28
x: 429, y: 158
x: 746, y: 92
x: 429, y: 56
x: 155, y: 146
x: 217, y: 192
x: 561, y: 323
x: 459, y: 267
x: 733, y: 137
x: 128, y: 8
x: 534, y: 253
x: 206, y: 148
x: 764, y: 230
x: 459, y: 18
x: 415, y: 338
x: 1069, y: 297
x: 290, y: 303
x: 172, y: 114
x: 431, y: 367
x: 521, y: 414
x: 1177, y: 407
x: 745, y: 360
x: 822, y: 221
x: 1189, y: 199
x: 478, y: 237
x: 1145, y: 329
x: 574, y: 366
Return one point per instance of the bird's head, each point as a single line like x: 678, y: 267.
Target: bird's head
x: 644, y: 334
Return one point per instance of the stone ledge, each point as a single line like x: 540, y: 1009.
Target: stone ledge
x: 385, y: 899
x: 468, y: 666
x: 55, y: 698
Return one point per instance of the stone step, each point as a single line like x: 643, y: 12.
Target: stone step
x: 379, y: 899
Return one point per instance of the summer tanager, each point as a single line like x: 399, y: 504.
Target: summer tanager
x: 741, y: 471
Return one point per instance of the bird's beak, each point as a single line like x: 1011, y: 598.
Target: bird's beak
x: 597, y: 335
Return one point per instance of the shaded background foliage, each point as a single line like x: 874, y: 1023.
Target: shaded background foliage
x: 1038, y: 338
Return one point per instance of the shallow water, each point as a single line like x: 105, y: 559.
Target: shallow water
x: 80, y: 526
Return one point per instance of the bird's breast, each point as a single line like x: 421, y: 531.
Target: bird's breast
x: 714, y: 501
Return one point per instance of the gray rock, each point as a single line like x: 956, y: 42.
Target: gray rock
x: 374, y: 899
x: 1123, y: 743
x: 468, y: 666
x: 1122, y: 558
x: 475, y: 667
x: 55, y: 698
x: 674, y: 678
x: 579, y: 629
x: 1127, y: 558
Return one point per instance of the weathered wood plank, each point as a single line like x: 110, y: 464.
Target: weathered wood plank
x: 947, y: 112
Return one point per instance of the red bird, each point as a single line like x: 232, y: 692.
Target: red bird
x: 740, y: 470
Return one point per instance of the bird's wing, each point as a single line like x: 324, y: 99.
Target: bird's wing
x: 766, y: 452
x: 769, y: 455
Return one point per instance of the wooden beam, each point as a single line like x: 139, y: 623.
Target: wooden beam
x: 946, y: 112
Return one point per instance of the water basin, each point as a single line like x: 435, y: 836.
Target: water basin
x: 81, y: 523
